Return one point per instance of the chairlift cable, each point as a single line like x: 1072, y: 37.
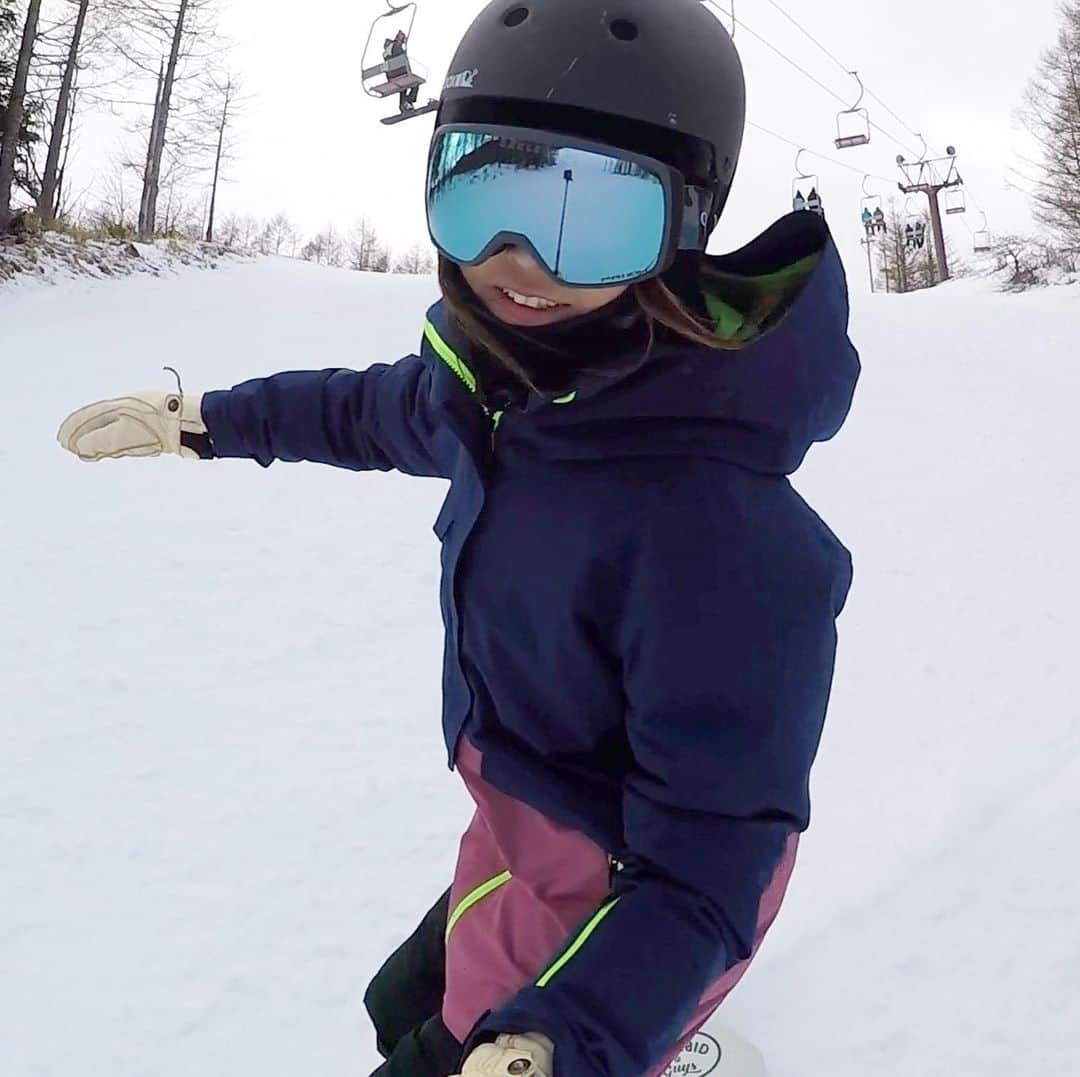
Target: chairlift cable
x: 839, y: 63
x: 821, y: 156
x: 813, y: 78
x: 832, y: 56
x: 782, y: 55
x: 847, y: 71
x: 843, y: 67
x: 891, y: 113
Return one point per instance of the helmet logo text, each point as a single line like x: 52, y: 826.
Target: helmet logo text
x: 463, y: 80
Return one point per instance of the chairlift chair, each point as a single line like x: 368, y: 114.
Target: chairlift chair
x: 803, y: 190
x: 872, y: 213
x: 982, y: 240
x: 395, y: 72
x: 915, y: 229
x: 915, y: 236
x: 955, y: 200
x: 853, y: 124
x: 802, y: 186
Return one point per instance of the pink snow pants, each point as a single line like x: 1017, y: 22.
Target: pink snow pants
x: 522, y: 885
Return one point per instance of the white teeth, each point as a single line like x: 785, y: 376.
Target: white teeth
x: 529, y: 300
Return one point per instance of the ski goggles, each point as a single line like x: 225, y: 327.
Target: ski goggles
x: 591, y: 214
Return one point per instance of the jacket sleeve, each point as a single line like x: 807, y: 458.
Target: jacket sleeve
x: 727, y: 643
x: 379, y: 419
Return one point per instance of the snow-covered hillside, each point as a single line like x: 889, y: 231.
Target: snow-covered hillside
x: 222, y: 790
x: 35, y: 258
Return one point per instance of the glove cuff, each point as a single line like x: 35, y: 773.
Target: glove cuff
x: 528, y: 1054
x: 188, y: 409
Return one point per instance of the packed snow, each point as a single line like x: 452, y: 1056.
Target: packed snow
x: 223, y: 796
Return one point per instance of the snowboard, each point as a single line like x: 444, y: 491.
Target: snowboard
x: 718, y: 1051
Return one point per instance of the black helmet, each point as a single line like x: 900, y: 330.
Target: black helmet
x: 659, y: 77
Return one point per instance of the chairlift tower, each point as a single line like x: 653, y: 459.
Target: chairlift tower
x: 924, y: 177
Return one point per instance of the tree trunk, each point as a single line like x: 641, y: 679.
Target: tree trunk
x: 62, y: 171
x: 152, y: 177
x: 13, y: 116
x: 47, y: 201
x: 151, y: 147
x: 217, y: 160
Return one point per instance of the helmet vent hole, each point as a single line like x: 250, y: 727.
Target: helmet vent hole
x: 515, y: 16
x: 624, y: 29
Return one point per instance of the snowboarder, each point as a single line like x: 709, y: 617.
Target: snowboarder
x: 640, y: 610
x: 395, y: 46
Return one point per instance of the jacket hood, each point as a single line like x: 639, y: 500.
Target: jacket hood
x: 761, y: 406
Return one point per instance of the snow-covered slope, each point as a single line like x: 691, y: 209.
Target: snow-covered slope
x: 32, y: 259
x: 222, y: 791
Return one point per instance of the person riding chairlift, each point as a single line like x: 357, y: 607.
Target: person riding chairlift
x: 395, y: 46
x: 392, y: 48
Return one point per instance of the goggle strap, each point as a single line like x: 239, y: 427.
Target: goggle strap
x: 697, y: 205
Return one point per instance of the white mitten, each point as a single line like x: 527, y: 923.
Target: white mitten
x: 143, y: 424
x: 527, y: 1055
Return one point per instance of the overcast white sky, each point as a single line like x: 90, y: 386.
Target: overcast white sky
x: 952, y: 69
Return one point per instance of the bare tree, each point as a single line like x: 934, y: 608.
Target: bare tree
x: 227, y: 95
x: 279, y: 234
x: 1017, y: 256
x: 229, y: 230
x: 159, y: 127
x: 904, y: 252
x: 326, y: 249
x: 13, y: 111
x: 180, y: 216
x: 1051, y: 112
x: 315, y: 249
x: 1026, y: 261
x: 172, y: 43
x: 116, y: 212
x: 242, y: 232
x: 366, y: 251
x: 47, y: 202
x: 416, y: 260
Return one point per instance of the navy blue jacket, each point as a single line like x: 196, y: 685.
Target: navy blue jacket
x: 640, y: 617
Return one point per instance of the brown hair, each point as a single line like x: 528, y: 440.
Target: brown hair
x: 659, y: 304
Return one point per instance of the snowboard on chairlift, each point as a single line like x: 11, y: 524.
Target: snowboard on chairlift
x: 412, y: 113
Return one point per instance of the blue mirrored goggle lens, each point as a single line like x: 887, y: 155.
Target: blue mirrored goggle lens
x: 593, y: 218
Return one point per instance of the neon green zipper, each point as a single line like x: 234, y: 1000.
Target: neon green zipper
x: 475, y: 895
x: 570, y: 952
